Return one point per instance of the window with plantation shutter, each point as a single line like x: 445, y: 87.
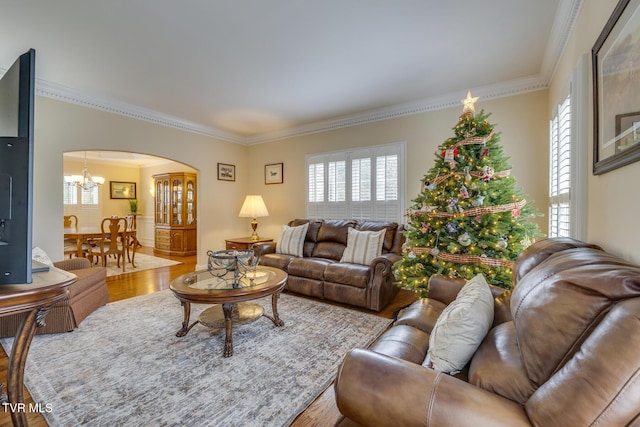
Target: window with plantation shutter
x: 568, y: 158
x: 560, y: 165
x: 85, y: 204
x: 364, y: 183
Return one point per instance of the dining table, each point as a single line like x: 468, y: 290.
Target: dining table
x: 84, y: 234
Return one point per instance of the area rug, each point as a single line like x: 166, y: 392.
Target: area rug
x: 143, y: 262
x: 124, y: 365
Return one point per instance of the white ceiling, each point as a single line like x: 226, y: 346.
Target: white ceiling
x: 253, y: 70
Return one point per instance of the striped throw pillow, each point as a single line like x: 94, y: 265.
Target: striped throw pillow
x: 363, y: 246
x: 291, y: 240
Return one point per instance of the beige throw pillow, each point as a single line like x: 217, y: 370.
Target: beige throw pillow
x: 291, y: 240
x: 363, y: 246
x: 461, y: 327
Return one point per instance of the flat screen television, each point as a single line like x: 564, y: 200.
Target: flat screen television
x: 17, y: 89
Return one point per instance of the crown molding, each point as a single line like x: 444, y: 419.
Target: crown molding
x: 73, y: 96
x: 564, y: 22
x: 500, y: 90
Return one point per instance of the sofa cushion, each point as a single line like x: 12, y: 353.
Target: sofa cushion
x: 312, y: 234
x: 497, y: 366
x: 334, y: 230
x: 312, y: 268
x: 38, y: 254
x: 291, y: 240
x: 389, y: 227
x: 347, y: 274
x: 363, y: 246
x: 461, y: 327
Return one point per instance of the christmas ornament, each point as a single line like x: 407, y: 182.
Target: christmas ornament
x: 452, y: 205
x: 431, y: 186
x: 449, y: 156
x: 502, y: 243
x: 487, y: 173
x: 484, y: 152
x: 452, y: 227
x: 467, y: 175
x: 424, y: 227
x: 464, y: 239
x: 435, y: 251
x: 515, y: 212
x: 411, y: 255
x: 478, y: 201
x: 464, y: 193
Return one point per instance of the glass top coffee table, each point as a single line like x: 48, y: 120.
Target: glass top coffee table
x: 203, y: 287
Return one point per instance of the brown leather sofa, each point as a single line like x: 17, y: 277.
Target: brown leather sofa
x: 564, y: 350
x: 85, y: 295
x: 320, y: 274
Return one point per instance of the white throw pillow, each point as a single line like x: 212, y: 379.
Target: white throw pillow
x: 291, y: 240
x: 39, y: 254
x: 461, y: 327
x: 363, y: 246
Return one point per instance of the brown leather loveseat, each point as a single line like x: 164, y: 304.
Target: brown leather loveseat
x: 320, y: 274
x: 85, y: 295
x: 564, y: 350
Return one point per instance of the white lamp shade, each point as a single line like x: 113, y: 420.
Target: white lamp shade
x: 253, y: 207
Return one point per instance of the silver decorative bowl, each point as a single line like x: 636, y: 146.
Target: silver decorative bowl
x: 232, y: 265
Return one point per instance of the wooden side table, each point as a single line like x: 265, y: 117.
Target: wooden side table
x: 34, y: 300
x: 243, y: 243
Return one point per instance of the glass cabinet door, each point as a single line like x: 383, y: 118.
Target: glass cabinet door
x: 158, y: 201
x: 190, y: 202
x: 165, y: 201
x: 176, y: 202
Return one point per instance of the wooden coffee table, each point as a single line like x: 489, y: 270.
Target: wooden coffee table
x: 201, y: 287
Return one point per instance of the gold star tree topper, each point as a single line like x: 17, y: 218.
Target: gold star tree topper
x: 468, y: 103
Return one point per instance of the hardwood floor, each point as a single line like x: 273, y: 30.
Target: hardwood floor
x: 322, y: 412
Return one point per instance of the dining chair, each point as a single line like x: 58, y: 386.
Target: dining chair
x: 112, y: 241
x: 70, y: 245
x: 131, y: 239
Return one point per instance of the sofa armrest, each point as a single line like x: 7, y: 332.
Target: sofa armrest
x: 375, y: 389
x: 73, y: 264
x: 260, y: 249
x: 387, y: 260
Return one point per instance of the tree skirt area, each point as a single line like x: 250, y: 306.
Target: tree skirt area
x: 143, y: 262
x: 124, y: 365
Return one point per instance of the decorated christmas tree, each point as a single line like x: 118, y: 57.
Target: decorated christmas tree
x: 469, y: 217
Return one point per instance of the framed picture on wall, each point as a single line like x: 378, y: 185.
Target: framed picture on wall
x: 122, y: 190
x: 226, y: 172
x: 616, y: 81
x: 273, y: 173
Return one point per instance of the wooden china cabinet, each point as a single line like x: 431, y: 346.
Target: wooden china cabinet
x: 175, y: 214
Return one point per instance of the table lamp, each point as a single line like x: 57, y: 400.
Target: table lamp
x: 253, y: 207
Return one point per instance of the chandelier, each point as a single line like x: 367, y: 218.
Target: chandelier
x: 86, y: 180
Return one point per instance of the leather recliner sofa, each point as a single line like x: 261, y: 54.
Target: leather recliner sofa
x: 564, y: 350
x: 320, y: 274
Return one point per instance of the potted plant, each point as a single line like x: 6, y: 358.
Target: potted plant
x: 133, y: 206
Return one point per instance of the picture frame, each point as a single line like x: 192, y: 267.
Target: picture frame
x: 226, y: 172
x: 122, y: 190
x: 273, y: 173
x: 628, y: 127
x: 616, y: 106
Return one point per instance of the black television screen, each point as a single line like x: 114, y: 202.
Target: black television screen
x: 17, y: 89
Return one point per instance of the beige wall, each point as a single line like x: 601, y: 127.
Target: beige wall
x: 61, y: 127
x: 522, y: 119
x: 613, y: 201
x: 109, y: 172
